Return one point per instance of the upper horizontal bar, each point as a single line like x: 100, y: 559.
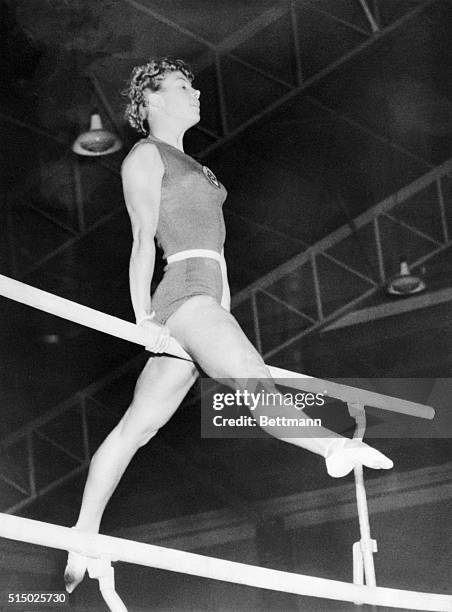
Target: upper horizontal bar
x: 118, y: 549
x: 72, y: 311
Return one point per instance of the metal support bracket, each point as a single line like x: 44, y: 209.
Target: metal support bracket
x: 363, y: 551
x: 102, y: 570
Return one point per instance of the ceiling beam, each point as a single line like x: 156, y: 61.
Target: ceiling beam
x: 407, y: 489
x: 194, y: 467
x: 229, y: 137
x: 364, y: 46
x: 226, y: 46
x: 343, y: 232
x: 313, y: 5
x: 253, y: 27
x: 370, y: 18
x: 367, y: 130
x: 34, y: 128
x: 147, y: 10
x: 119, y: 127
x: 369, y: 218
x: 321, y: 323
x: 392, y: 309
x: 73, y: 241
x: 341, y: 116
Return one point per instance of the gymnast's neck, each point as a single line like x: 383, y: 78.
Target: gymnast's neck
x: 171, y: 133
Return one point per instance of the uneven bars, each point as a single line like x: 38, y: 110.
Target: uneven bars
x: 119, y: 549
x: 89, y: 317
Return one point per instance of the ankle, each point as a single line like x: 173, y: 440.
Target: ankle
x: 86, y: 527
x: 339, y: 444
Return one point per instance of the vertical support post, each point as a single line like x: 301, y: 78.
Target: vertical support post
x: 10, y: 236
x: 31, y: 464
x: 376, y: 11
x: 368, y: 545
x: 358, y: 565
x: 78, y: 193
x: 257, y: 331
x: 381, y: 266
x: 318, y: 295
x: 103, y: 571
x: 363, y: 561
x: 221, y: 96
x: 103, y: 98
x: 370, y: 17
x: 442, y: 209
x: 296, y: 44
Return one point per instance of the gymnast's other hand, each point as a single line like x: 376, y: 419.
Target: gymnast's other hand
x: 157, y: 336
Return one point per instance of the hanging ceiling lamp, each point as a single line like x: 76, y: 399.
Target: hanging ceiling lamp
x: 405, y: 283
x: 97, y: 141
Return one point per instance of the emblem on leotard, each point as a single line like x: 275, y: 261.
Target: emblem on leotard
x: 211, y: 176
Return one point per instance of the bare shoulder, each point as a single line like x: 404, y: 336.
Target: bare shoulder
x: 143, y: 158
x: 142, y: 172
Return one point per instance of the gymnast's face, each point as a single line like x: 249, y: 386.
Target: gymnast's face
x: 176, y: 99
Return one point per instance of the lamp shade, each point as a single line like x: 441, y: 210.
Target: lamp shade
x: 405, y: 283
x: 97, y: 141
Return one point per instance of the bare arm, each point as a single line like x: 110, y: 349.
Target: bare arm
x: 226, y: 297
x: 142, y: 173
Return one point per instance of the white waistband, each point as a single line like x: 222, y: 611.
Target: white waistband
x: 194, y: 253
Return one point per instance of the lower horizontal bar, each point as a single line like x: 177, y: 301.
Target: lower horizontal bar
x: 352, y: 395
x: 118, y: 549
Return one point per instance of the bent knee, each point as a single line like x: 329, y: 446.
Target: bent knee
x: 135, y: 432
x: 249, y: 366
x: 145, y: 437
x: 137, y: 435
x: 253, y: 366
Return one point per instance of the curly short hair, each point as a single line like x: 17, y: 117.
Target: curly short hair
x: 149, y: 76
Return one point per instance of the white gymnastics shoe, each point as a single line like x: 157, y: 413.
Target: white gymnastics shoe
x: 344, y: 454
x: 75, y: 570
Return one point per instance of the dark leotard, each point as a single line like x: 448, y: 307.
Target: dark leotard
x: 190, y: 217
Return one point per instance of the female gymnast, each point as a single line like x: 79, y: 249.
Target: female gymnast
x: 174, y: 199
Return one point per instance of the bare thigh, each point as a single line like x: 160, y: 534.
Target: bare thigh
x: 161, y: 387
x: 215, y: 340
